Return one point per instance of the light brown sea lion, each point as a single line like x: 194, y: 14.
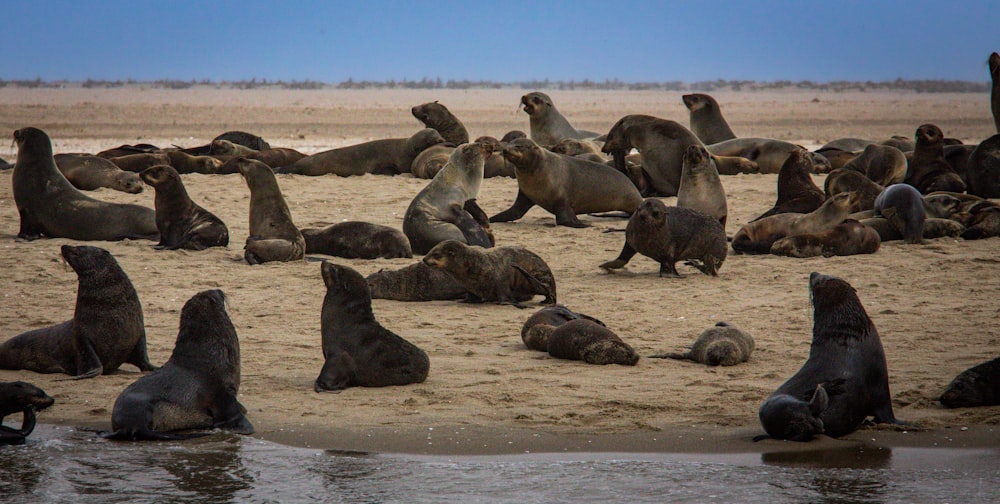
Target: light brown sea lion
x: 928, y: 171
x: 903, y: 143
x: 438, y: 117
x: 660, y: 142
x: 357, y: 240
x: 273, y: 235
x: 882, y: 164
x: 548, y: 126
x: 706, y: 119
x: 757, y: 237
x: 239, y: 138
x: 768, y: 153
x: 186, y: 163
x: 88, y: 173
x: 380, y: 157
x: 797, y: 193
x: 432, y: 159
x: 564, y: 186
x: 50, y: 206
x: 733, y: 165
x: 416, y: 282
x: 182, y: 223
x: 847, y: 238
x: 502, y: 275
x: 587, y: 341
x: 720, y: 345
x: 700, y: 187
x: 845, y: 180
x: 555, y: 315
x: 138, y: 162
x: 837, y: 158
x: 576, y: 147
x: 227, y: 148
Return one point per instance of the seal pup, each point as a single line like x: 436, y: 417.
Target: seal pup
x: 502, y: 275
x: 436, y: 116
x: 976, y: 386
x: 706, y: 118
x: 927, y: 170
x: 903, y: 205
x: 50, y: 206
x: 984, y: 221
x: 182, y: 223
x: 357, y: 350
x: 239, y: 138
x: 416, y: 282
x: 700, y: 188
x: 795, y: 418
x: 984, y: 169
x: 845, y: 180
x: 768, y: 153
x: 587, y: 341
x: 720, y: 345
x: 564, y: 186
x: 661, y: 143
x: 88, y: 173
x: 186, y: 163
x: 797, y: 193
x: 670, y: 234
x: 273, y: 235
x: 573, y: 147
x: 106, y: 330
x: 850, y: 237
x: 554, y: 316
x: 548, y: 126
x: 198, y: 385
x: 845, y: 346
x: 758, y: 236
x: 882, y: 164
x: 357, y: 240
x: 429, y: 218
x: 24, y: 398
x: 390, y: 156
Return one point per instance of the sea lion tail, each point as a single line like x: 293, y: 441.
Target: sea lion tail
x: 148, y: 435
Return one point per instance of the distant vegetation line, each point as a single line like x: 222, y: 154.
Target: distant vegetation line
x: 919, y: 86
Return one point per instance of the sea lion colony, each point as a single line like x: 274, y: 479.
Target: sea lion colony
x: 242, y: 152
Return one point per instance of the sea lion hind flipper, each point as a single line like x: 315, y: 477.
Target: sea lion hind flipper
x: 520, y: 207
x: 232, y: 415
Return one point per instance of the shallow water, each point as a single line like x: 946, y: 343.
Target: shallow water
x: 60, y: 464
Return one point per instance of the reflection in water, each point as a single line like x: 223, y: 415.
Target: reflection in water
x: 843, y: 485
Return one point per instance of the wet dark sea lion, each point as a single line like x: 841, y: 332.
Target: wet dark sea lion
x: 720, y: 345
x: 357, y: 240
x: 758, y: 236
x: 797, y: 193
x: 903, y: 205
x: 564, y: 186
x: 706, y: 119
x: 984, y: 169
x: 24, y: 398
x: 198, y: 385
x: 669, y: 234
x: 50, y: 206
x: 390, y: 156
x: 502, y: 275
x: 88, y: 173
x: 882, y: 164
x: 845, y: 350
x: 587, y: 341
x: 700, y: 188
x: 555, y: 316
x: 106, y: 330
x: 273, y: 235
x: 438, y: 117
x: 183, y: 224
x: 416, y: 282
x: 661, y: 143
x: 976, y: 386
x: 548, y: 126
x: 850, y: 237
x: 845, y: 180
x: 928, y: 171
x: 358, y: 351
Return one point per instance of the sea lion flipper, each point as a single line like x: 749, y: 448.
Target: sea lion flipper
x: 545, y: 288
x: 565, y: 216
x: 88, y: 364
x: 668, y: 268
x: 477, y: 213
x: 338, y: 372
x: 520, y: 207
x: 623, y: 258
x: 233, y: 415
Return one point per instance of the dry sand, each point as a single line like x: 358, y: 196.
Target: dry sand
x: 935, y: 304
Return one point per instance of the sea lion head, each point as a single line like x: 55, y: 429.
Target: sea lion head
x: 127, y: 182
x: 524, y: 153
x: 492, y: 145
x: 344, y: 282
x: 223, y: 148
x: 537, y: 337
x: 696, y: 156
x: 424, y: 139
x: 207, y: 164
x: 432, y: 114
x: 536, y: 103
x: 84, y: 258
x: 513, y: 135
x: 698, y: 101
x: 19, y: 395
x: 966, y: 390
x: 32, y: 141
x: 447, y: 255
x: 929, y: 134
x: 157, y: 175
x: 830, y: 292
x: 254, y: 172
x: 652, y: 212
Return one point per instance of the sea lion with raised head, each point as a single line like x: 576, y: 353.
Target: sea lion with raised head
x: 106, y: 330
x: 845, y: 180
x: 928, y: 171
x: 273, y: 235
x: 502, y: 275
x: 548, y: 125
x: 903, y: 205
x: 88, y: 173
x: 182, y: 223
x: 700, y: 188
x: 555, y: 316
x: 882, y: 164
x: 706, y: 119
x: 976, y: 386
x: 720, y: 345
x: 24, y: 398
x: 661, y: 143
x: 587, y: 341
x: 797, y: 193
x: 357, y: 240
x: 357, y: 350
x: 416, y: 282
x: 758, y: 236
x: 850, y: 237
x: 50, y: 206
x: 198, y: 385
x: 438, y: 117
x: 390, y: 156
x: 984, y: 168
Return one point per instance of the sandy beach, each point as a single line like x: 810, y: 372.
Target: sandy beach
x: 935, y: 305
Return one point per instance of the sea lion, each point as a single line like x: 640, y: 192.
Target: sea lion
x: 758, y: 236
x: 357, y: 350
x: 958, y: 158
x: 928, y: 171
x: 720, y: 345
x: 438, y: 117
x: 245, y: 139
x: 976, y: 386
x: 903, y: 143
x: 933, y: 228
x: 849, y: 144
x: 24, y: 398
x: 357, y: 240
x: 554, y: 316
x: 186, y: 163
x: 390, y: 156
x: 416, y: 282
x: 845, y: 346
x: 564, y: 186
x: 512, y: 135
x: 125, y: 150
x: 847, y: 238
x: 428, y: 219
x: 733, y: 165
x: 670, y: 234
x: 706, y: 119
x: 837, y: 158
x: 587, y: 341
x: 797, y: 193
x: 700, y: 188
x: 984, y: 168
x: 227, y: 148
x: 273, y: 235
x: 502, y: 275
x: 903, y: 205
x: 984, y: 221
x: 882, y: 164
x: 105, y: 332
x: 785, y: 416
x: 768, y: 153
x: 49, y: 205
x: 548, y: 126
x: 182, y: 223
x: 661, y: 143
x: 138, y: 162
x: 575, y: 147
x: 994, y: 62
x: 496, y: 165
x: 88, y: 173
x: 432, y: 159
x: 225, y: 151
x: 846, y: 180
x: 198, y: 385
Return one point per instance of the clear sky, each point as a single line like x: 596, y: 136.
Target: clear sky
x: 500, y: 40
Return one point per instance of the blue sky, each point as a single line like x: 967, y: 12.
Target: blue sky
x: 501, y: 40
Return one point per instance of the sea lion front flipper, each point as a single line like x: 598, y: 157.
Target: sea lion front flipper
x: 670, y: 269
x: 232, y: 415
x: 565, y: 216
x: 338, y: 373
x: 520, y: 207
x: 623, y: 258
x: 88, y: 364
x: 473, y: 232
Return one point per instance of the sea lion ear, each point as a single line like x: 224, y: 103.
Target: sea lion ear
x: 435, y: 101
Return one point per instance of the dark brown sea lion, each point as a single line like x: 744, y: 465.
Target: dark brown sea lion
x: 245, y: 139
x: 273, y: 235
x: 846, y: 350
x: 416, y: 282
x: 720, y: 345
x: 903, y: 205
x: 548, y: 126
x: 587, y: 341
x: 700, y: 188
x: 564, y: 186
x: 837, y: 158
x: 795, y: 418
x: 358, y: 351
x: 994, y: 62
x: 186, y: 163
x: 958, y: 157
x: 846, y: 180
x: 847, y: 238
x: 88, y: 173
x: 105, y: 332
x: 903, y: 143
x: 976, y: 386
x: 669, y: 234
x: 733, y: 165
x: 183, y: 224
x: 502, y: 275
x: 758, y: 236
x: 125, y: 150
x: 984, y: 222
x: 849, y: 144
x: 390, y: 156
x: 555, y: 315
x: 24, y: 398
x: 661, y: 143
x: 357, y: 240
x: 768, y: 153
x: 983, y: 174
x: 797, y: 193
x: 50, y: 206
x: 198, y: 385
x: 706, y: 119
x: 928, y: 171
x: 438, y: 117
x: 138, y: 162
x: 882, y: 164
